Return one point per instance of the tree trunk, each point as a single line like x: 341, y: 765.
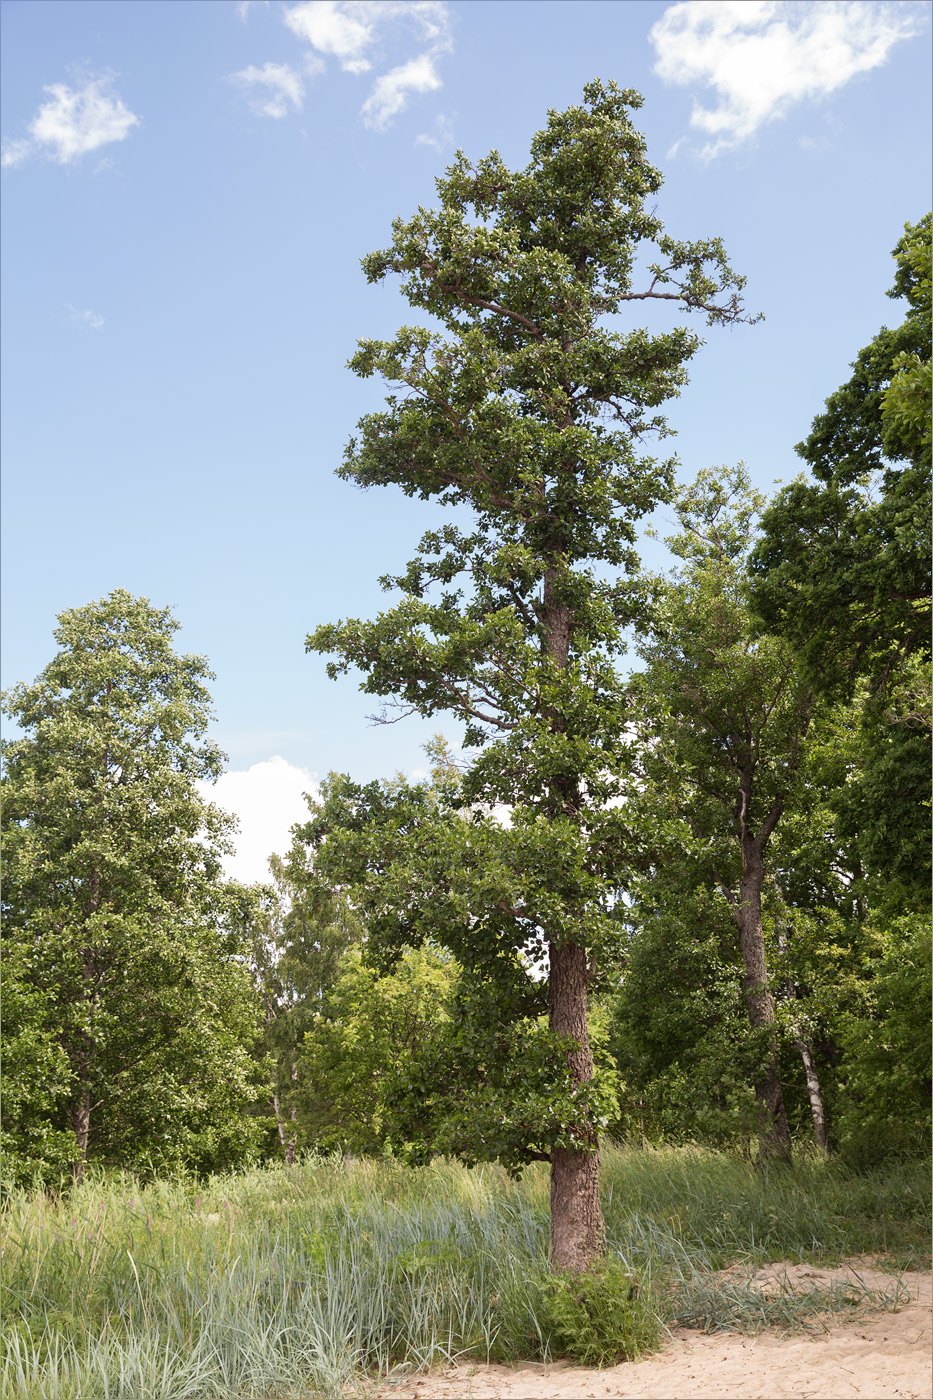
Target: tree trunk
x: 84, y: 1056
x: 289, y: 1142
x: 816, y: 1098
x: 81, y: 1125
x: 773, y: 1134
x: 578, y: 1231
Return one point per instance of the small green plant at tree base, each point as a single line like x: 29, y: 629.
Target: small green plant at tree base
x: 600, y: 1317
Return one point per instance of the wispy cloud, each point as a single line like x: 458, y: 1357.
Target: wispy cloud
x: 348, y: 29
x: 763, y: 56
x: 274, y: 86
x: 391, y: 92
x: 243, y: 7
x: 90, y: 319
x: 73, y: 122
x: 353, y: 31
x: 441, y: 138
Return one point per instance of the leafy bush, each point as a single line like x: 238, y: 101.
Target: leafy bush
x: 598, y: 1318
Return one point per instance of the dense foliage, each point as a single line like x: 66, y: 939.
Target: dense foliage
x: 129, y: 1015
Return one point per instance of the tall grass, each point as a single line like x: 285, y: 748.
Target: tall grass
x: 306, y: 1281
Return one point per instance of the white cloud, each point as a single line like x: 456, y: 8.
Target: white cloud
x: 278, y: 86
x: 351, y: 31
x: 390, y: 92
x: 334, y: 28
x: 441, y: 138
x: 268, y: 800
x: 346, y: 29
x: 74, y: 122
x: 91, y: 319
x: 15, y: 152
x: 243, y: 7
x: 762, y: 56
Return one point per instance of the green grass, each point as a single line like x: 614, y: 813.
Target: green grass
x: 306, y: 1281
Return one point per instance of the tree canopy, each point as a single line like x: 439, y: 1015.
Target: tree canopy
x: 118, y: 954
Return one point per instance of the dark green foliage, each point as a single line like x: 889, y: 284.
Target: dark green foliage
x: 843, y: 567
x: 493, y: 1075
x: 34, y: 1147
x: 885, y: 1107
x: 883, y: 812
x: 686, y: 1057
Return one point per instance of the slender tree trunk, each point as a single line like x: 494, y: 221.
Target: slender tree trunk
x: 83, y: 1057
x: 774, y: 1135
x: 288, y: 1141
x: 578, y: 1231
x: 81, y: 1126
x: 804, y: 1050
x: 820, y: 1136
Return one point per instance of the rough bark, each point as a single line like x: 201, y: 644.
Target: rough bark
x: 578, y: 1230
x: 774, y: 1135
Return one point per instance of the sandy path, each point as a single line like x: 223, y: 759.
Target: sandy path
x: 876, y: 1356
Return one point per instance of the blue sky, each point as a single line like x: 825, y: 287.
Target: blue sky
x: 187, y: 191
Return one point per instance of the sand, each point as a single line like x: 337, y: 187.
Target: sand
x: 874, y: 1355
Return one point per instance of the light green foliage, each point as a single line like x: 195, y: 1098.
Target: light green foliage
x: 526, y: 408
x: 298, y: 934
x: 601, y: 1317
x: 307, y: 1279
x: 116, y: 936
x: 493, y: 1082
x: 370, y: 1034
x: 722, y: 712
x: 843, y: 567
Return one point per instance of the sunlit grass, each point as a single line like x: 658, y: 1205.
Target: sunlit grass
x: 306, y: 1281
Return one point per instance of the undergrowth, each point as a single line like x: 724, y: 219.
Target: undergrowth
x: 311, y: 1280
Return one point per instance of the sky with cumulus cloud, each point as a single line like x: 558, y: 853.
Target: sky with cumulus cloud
x: 187, y: 192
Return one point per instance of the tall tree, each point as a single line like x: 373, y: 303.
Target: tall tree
x: 842, y: 571
x: 528, y: 411
x: 115, y: 916
x: 722, y: 715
